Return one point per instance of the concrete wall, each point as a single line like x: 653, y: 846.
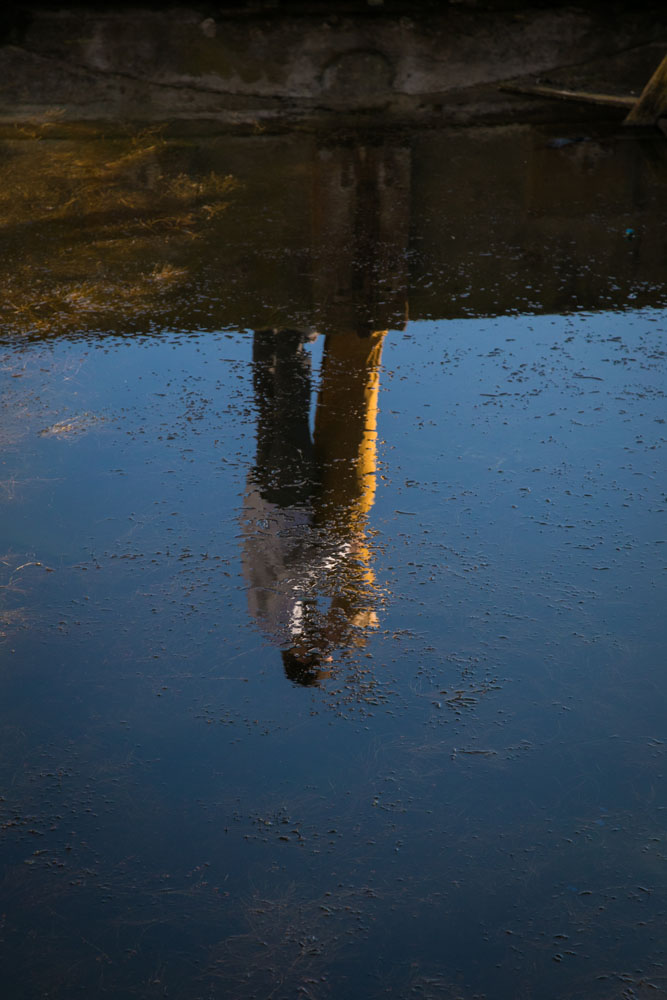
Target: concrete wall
x: 184, y: 62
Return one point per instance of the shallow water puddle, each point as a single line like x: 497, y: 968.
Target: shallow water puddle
x: 332, y: 666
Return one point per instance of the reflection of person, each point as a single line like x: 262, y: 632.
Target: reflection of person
x: 306, y: 555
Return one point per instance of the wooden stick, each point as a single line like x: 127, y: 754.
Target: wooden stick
x: 652, y: 103
x: 583, y: 96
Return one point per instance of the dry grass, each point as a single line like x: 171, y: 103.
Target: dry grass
x: 98, y: 227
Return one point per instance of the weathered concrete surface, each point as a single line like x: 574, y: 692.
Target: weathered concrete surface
x: 183, y: 63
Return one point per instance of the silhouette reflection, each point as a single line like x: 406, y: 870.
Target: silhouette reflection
x: 307, y: 551
x: 360, y: 235
x: 307, y: 556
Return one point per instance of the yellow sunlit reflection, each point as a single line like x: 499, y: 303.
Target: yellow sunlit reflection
x: 308, y: 557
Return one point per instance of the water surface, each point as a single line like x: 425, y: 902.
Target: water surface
x: 332, y: 567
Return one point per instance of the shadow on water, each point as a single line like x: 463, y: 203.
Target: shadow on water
x: 388, y: 423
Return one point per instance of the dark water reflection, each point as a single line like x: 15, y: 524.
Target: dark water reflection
x: 377, y: 421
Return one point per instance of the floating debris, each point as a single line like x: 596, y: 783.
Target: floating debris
x: 69, y: 427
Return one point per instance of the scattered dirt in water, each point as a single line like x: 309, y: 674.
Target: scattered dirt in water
x: 75, y: 425
x: 332, y: 635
